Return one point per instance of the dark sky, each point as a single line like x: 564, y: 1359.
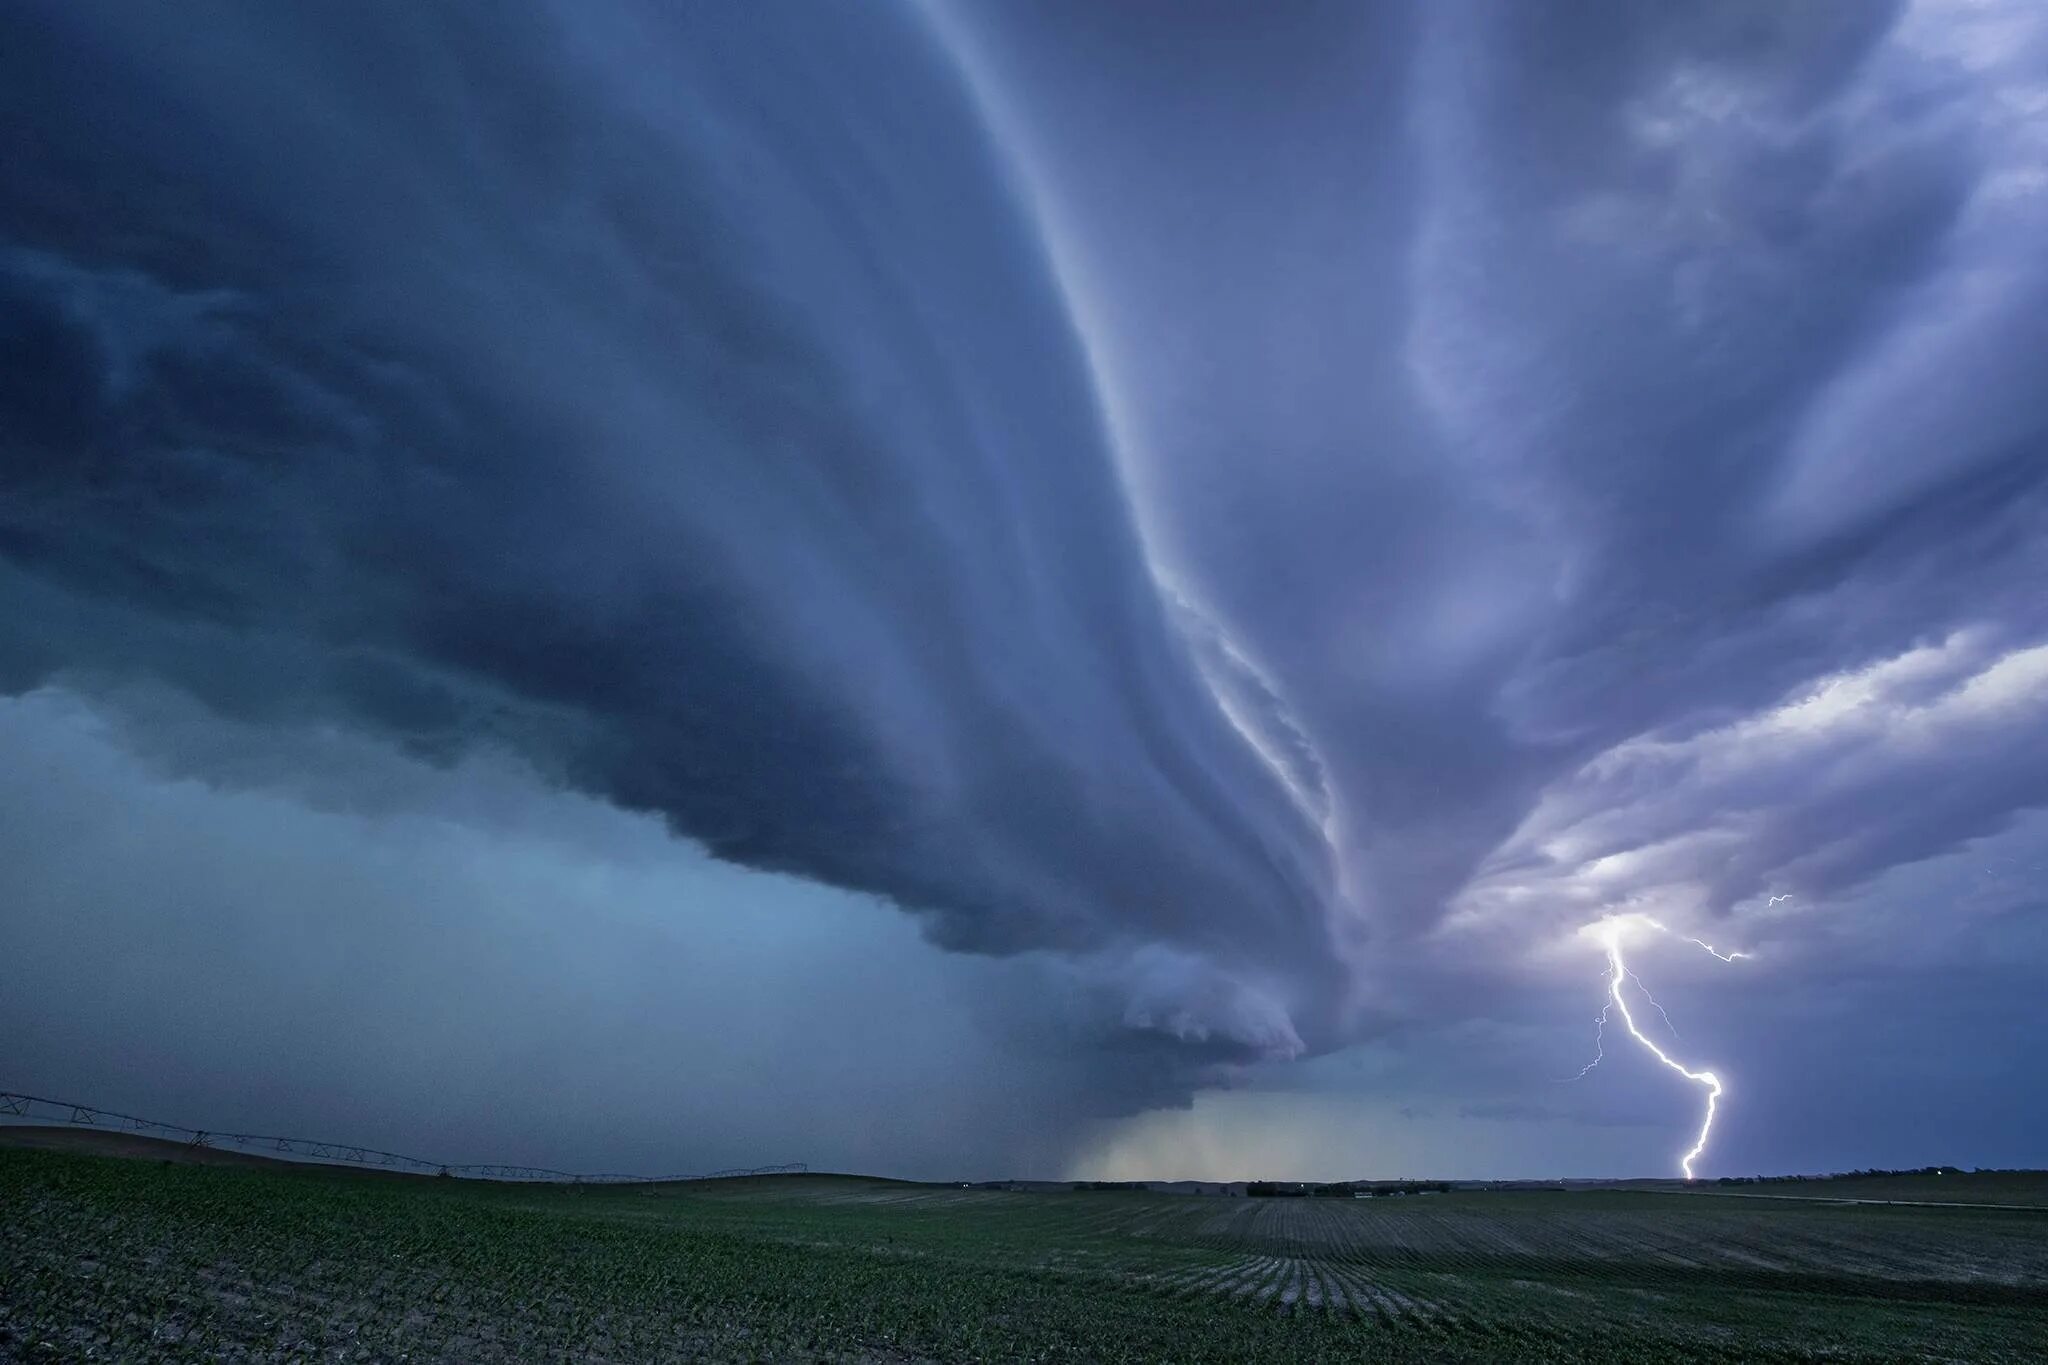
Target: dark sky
x: 1063, y: 588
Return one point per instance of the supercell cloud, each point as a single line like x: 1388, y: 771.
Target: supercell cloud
x: 1248, y: 525
x: 678, y: 397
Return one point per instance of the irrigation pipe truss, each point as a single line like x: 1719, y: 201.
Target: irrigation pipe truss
x: 67, y: 1114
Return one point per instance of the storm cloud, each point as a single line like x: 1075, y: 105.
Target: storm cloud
x: 1251, y: 526
x: 464, y: 380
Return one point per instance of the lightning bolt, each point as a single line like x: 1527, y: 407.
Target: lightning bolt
x: 1599, y: 1042
x: 1609, y: 933
x: 1653, y: 999
x: 1776, y: 899
x: 1725, y: 957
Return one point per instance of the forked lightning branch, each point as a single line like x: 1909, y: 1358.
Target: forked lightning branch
x: 1609, y: 932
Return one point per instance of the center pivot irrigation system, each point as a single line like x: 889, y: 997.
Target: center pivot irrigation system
x: 64, y: 1113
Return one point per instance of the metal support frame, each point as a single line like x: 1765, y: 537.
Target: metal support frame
x: 65, y: 1113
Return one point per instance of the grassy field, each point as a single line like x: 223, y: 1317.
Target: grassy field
x: 1963, y: 1187
x: 111, y: 1259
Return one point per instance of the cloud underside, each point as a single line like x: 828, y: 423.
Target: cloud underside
x: 1286, y: 559
x: 482, y: 384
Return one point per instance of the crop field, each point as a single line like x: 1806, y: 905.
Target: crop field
x: 1975, y: 1187
x: 112, y: 1259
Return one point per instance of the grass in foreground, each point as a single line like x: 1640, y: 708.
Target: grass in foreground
x: 134, y: 1260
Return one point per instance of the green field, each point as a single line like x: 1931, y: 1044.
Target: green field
x: 1963, y: 1187
x: 112, y: 1259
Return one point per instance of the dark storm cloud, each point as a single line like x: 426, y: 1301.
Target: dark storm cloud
x: 1288, y: 511
x: 1891, y: 764
x: 1774, y: 333
x: 1663, y: 367
x: 679, y: 397
x: 1617, y: 430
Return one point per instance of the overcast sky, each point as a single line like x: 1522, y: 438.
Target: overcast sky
x: 970, y: 589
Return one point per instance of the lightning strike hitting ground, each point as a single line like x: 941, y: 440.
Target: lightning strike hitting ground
x: 1609, y: 933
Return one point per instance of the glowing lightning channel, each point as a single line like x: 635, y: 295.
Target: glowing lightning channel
x: 1599, y: 1043
x: 1653, y: 999
x: 1600, y: 1029
x: 1725, y: 957
x: 1609, y: 931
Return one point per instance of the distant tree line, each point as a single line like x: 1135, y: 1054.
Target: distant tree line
x: 1343, y: 1189
x: 1838, y: 1175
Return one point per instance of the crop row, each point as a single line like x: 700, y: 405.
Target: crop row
x: 136, y: 1261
